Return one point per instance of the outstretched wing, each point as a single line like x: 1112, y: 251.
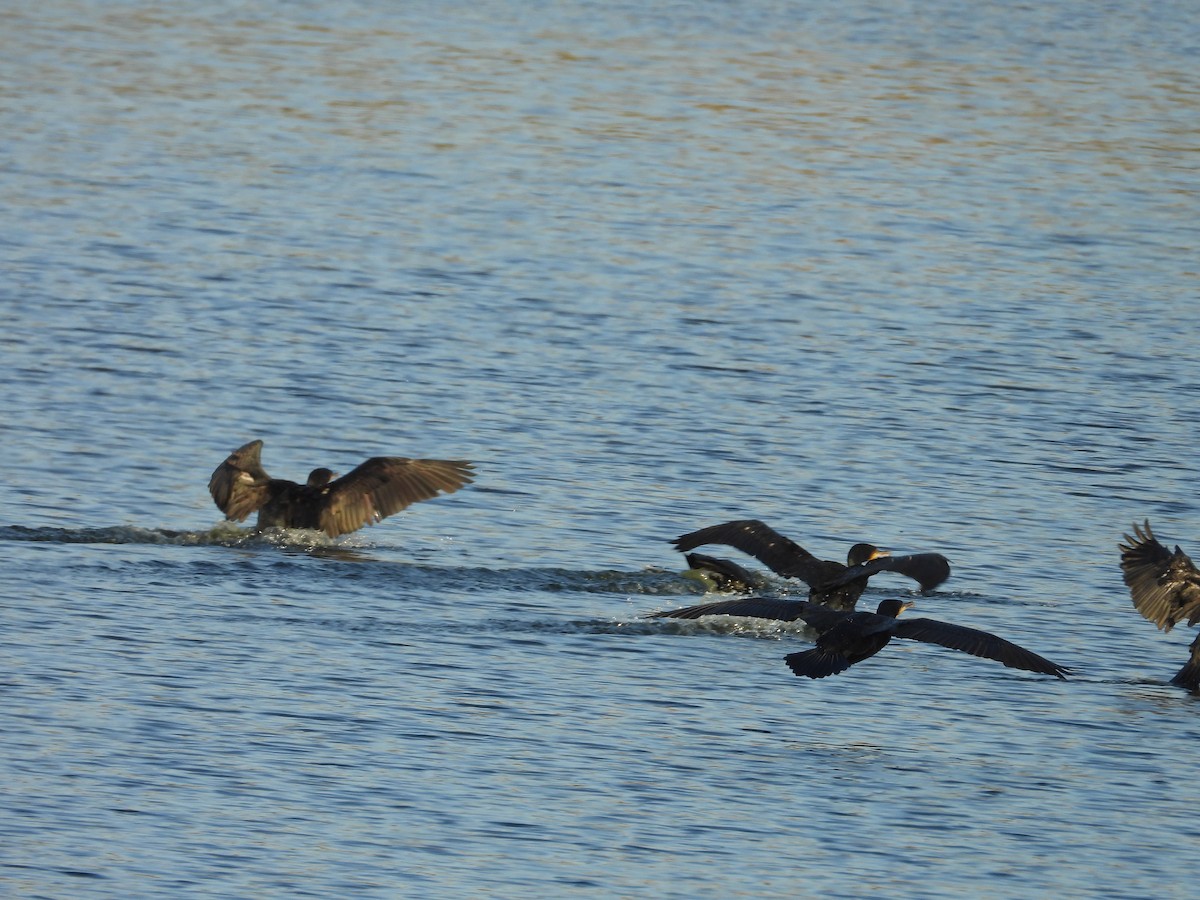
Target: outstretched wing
x: 977, y: 643
x: 783, y: 556
x: 1165, y: 586
x: 239, y: 485
x: 926, y: 569
x: 752, y: 607
x: 384, y: 485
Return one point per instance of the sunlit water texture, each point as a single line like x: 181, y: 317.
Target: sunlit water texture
x: 922, y: 275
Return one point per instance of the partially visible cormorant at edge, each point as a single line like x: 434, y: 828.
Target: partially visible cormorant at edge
x: 1165, y: 588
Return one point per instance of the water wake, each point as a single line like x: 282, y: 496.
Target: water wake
x: 225, y: 534
x: 721, y: 625
x: 547, y: 579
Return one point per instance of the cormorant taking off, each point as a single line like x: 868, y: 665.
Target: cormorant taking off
x: 381, y: 486
x: 844, y: 639
x: 829, y: 582
x: 1165, y: 588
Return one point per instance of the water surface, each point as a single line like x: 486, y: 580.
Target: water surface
x: 917, y: 275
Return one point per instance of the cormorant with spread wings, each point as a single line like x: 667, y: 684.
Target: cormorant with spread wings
x: 830, y: 583
x: 844, y: 639
x: 372, y: 491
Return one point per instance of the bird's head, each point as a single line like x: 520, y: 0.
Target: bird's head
x: 893, y: 608
x: 320, y: 477
x: 861, y: 553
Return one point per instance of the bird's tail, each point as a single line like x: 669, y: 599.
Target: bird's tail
x: 816, y: 663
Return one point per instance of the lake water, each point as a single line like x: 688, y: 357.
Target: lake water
x: 919, y: 274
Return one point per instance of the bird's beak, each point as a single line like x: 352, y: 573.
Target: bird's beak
x: 878, y: 553
x: 907, y: 604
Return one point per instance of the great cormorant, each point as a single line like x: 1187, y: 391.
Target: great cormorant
x: 830, y: 583
x: 844, y: 639
x: 377, y: 488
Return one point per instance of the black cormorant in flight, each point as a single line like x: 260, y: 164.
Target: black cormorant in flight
x: 379, y: 487
x: 830, y: 583
x: 844, y: 639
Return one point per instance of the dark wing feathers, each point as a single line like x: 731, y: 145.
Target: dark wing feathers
x: 787, y: 558
x: 823, y: 618
x: 384, y: 485
x: 1165, y: 586
x: 752, y: 607
x: 977, y: 643
x: 817, y: 662
x: 239, y: 485
x: 782, y: 555
x: 927, y: 569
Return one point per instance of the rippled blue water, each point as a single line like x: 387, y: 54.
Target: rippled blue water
x: 917, y: 274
